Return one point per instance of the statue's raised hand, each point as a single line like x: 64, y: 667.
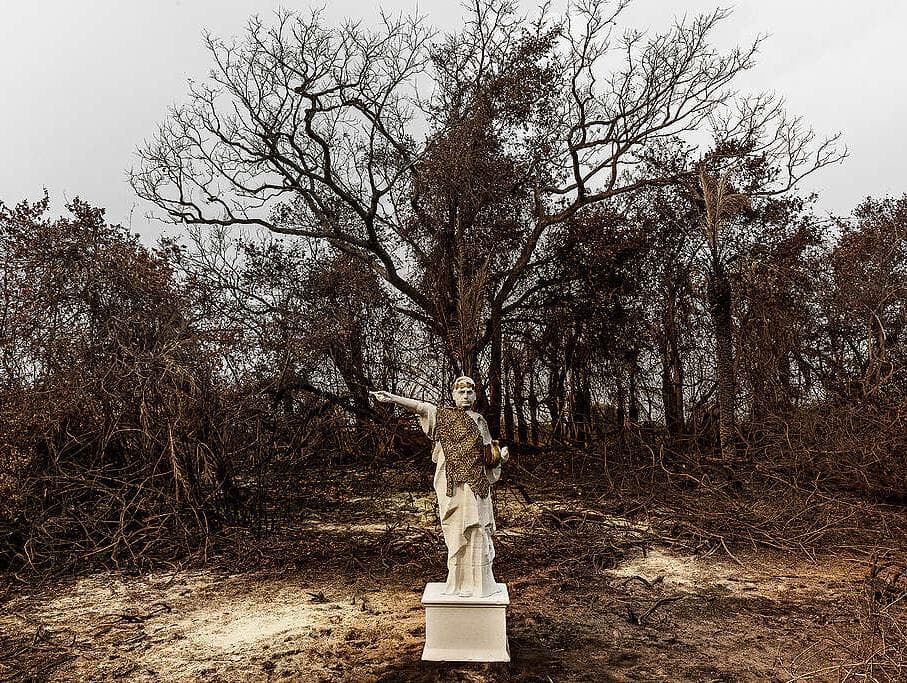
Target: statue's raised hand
x: 382, y: 396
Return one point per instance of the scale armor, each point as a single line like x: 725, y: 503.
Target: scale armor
x: 463, y: 450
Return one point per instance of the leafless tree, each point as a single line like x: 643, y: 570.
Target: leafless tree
x: 326, y: 132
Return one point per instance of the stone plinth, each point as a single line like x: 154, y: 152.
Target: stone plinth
x: 465, y: 629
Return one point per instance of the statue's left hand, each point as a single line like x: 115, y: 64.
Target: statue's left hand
x: 505, y: 454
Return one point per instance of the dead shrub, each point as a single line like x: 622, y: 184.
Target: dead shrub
x: 108, y: 437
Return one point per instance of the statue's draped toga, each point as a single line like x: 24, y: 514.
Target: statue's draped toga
x: 462, y: 484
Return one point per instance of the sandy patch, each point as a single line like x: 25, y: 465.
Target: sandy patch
x: 656, y: 565
x: 259, y: 622
x: 775, y: 581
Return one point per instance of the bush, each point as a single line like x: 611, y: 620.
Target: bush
x: 108, y: 442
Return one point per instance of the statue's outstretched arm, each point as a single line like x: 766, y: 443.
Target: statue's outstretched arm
x: 410, y: 404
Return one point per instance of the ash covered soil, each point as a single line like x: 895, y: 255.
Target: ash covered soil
x: 599, y: 592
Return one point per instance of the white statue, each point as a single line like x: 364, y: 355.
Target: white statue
x: 468, y: 462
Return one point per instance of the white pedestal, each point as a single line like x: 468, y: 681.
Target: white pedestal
x: 465, y: 629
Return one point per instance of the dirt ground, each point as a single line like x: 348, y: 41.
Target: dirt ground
x: 336, y: 598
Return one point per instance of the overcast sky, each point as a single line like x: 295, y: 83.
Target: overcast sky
x: 85, y: 81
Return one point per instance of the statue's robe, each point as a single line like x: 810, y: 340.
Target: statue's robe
x: 467, y: 519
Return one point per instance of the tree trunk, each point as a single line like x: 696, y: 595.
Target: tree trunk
x: 582, y: 405
x: 533, y: 413
x: 669, y: 394
x: 517, y: 388
x: 553, y: 401
x: 508, y: 418
x: 633, y: 389
x: 494, y: 374
x: 671, y: 372
x: 350, y: 364
x: 621, y: 396
x: 719, y: 291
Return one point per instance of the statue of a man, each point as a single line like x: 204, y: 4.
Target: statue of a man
x: 467, y: 463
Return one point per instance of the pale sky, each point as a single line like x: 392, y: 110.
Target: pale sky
x: 85, y: 81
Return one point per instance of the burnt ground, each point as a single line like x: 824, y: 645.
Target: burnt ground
x: 604, y: 587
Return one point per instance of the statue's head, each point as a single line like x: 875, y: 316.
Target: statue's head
x: 463, y: 392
